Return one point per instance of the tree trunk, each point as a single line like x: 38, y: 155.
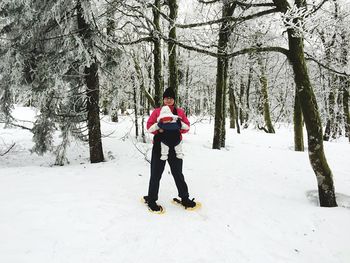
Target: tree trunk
x: 173, y: 71
x: 93, y: 91
x: 247, y: 107
x: 234, y: 123
x: 134, y: 93
x: 345, y: 84
x: 345, y: 88
x: 310, y: 111
x: 298, y: 125
x: 236, y: 110
x: 241, y: 100
x: 187, y: 99
x: 332, y: 83
x: 142, y: 113
x: 218, y: 104
x: 210, y: 102
x: 331, y: 105
x: 149, y: 74
x: 157, y: 55
x: 232, y: 107
x: 265, y: 96
x: 337, y: 129
x: 224, y: 34
x: 313, y: 123
x: 223, y: 128
x: 111, y: 32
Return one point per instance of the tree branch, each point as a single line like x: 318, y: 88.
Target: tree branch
x: 230, y: 55
x: 308, y: 57
x: 229, y: 19
x: 318, y: 7
x: 253, y: 5
x: 148, y: 39
x: 259, y: 50
x: 208, y: 2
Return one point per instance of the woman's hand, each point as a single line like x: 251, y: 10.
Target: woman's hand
x: 160, y: 130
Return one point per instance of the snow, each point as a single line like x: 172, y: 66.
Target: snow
x: 259, y: 202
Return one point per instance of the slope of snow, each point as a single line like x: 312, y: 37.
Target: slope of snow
x: 259, y: 202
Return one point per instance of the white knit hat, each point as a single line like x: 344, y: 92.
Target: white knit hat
x: 165, y: 111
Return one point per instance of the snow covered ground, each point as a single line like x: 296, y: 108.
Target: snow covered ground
x: 258, y: 195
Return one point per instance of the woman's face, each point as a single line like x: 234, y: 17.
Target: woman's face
x: 168, y: 101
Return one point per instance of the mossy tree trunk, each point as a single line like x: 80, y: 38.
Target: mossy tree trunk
x: 298, y: 125
x: 310, y: 111
x: 218, y: 123
x: 221, y: 77
x: 93, y: 90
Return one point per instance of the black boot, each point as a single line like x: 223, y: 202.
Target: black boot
x: 188, y: 203
x: 152, y: 205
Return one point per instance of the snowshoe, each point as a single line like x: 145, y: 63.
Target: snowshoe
x: 188, y: 204
x: 153, y: 207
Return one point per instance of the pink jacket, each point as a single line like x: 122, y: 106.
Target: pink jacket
x: 152, y: 120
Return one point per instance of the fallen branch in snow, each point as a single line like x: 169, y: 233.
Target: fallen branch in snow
x: 108, y: 135
x: 199, y: 120
x: 8, y: 150
x: 128, y: 135
x: 137, y: 148
x: 143, y: 153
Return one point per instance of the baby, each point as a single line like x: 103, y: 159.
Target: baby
x: 171, y: 136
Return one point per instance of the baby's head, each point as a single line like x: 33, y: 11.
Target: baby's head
x: 166, y: 115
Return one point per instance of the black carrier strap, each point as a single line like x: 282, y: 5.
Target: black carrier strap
x: 175, y: 111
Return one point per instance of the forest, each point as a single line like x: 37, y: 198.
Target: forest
x: 240, y: 63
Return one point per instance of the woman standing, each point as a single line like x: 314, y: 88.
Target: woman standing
x: 157, y: 165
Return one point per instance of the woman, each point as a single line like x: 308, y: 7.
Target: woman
x: 157, y: 165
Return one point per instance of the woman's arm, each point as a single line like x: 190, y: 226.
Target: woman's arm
x: 182, y: 115
x: 152, y: 122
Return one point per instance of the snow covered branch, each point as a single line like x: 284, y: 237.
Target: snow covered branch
x: 229, y: 19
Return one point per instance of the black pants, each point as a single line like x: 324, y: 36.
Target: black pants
x: 157, y: 168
